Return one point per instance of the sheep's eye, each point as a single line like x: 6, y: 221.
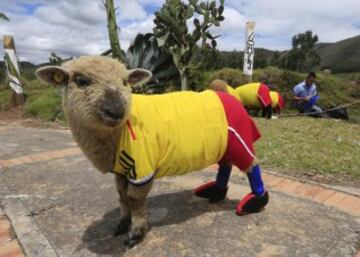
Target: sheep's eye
x: 125, y: 83
x: 81, y: 80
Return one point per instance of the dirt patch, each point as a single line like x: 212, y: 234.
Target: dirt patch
x: 16, y: 117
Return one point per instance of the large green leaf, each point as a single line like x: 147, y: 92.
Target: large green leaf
x: 145, y: 53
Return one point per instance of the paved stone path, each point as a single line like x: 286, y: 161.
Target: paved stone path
x: 64, y: 197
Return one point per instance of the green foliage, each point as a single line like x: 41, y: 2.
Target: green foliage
x: 41, y: 100
x: 173, y: 33
x: 260, y: 60
x: 5, y: 96
x: 45, y: 105
x: 205, y: 58
x: 302, y: 56
x: 342, y: 56
x: 145, y: 53
x: 234, y: 77
x: 330, y: 147
x: 198, y: 78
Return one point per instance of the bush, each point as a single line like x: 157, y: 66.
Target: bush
x: 5, y: 96
x: 233, y: 77
x: 46, y: 105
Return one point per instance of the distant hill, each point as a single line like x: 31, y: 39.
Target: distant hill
x: 342, y: 56
x: 23, y: 65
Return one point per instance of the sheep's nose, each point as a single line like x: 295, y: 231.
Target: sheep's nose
x: 114, y: 111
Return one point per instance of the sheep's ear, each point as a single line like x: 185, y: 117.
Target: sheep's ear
x: 138, y: 76
x: 54, y: 75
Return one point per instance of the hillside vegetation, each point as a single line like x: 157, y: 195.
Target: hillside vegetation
x: 342, y: 56
x: 44, y: 101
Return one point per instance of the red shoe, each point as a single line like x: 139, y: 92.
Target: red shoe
x: 252, y: 203
x: 211, y: 192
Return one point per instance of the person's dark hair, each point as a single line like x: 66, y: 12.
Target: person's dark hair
x: 311, y: 74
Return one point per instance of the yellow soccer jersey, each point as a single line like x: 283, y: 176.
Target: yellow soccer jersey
x: 274, y: 98
x: 171, y: 134
x: 232, y: 92
x: 248, y: 95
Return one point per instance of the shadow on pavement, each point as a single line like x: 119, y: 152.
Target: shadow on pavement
x: 165, y: 209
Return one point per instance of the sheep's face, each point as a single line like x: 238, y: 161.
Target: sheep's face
x: 97, y: 89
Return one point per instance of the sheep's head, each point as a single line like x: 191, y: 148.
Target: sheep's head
x: 97, y: 89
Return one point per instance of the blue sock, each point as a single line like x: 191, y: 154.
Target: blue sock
x: 223, y: 176
x: 256, y: 183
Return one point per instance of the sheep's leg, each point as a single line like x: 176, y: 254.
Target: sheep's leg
x: 259, y: 196
x: 125, y: 214
x: 139, y: 226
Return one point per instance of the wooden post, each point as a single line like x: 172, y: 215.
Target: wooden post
x: 13, y: 72
x: 249, y: 50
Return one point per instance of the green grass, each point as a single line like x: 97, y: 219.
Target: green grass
x: 307, y: 145
x: 46, y: 105
x: 5, y: 96
x: 41, y: 101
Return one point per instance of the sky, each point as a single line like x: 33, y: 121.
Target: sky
x: 74, y: 28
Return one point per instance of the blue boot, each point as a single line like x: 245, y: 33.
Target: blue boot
x: 216, y: 191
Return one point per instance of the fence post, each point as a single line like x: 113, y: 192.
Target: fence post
x: 249, y: 50
x: 13, y: 72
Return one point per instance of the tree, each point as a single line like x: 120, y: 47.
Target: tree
x: 302, y: 56
x: 260, y: 59
x: 173, y: 34
x: 275, y: 59
x: 3, y: 17
x: 113, y: 30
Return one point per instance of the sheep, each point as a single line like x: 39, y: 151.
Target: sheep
x: 253, y: 95
x: 142, y: 137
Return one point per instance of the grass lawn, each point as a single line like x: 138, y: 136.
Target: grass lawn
x: 322, y: 149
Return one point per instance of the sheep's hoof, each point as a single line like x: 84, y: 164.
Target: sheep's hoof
x: 123, y: 226
x: 131, y: 242
x: 136, y: 235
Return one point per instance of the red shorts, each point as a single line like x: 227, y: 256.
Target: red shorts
x: 264, y: 95
x: 242, y: 133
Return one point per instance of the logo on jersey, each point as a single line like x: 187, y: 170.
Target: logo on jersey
x: 128, y: 163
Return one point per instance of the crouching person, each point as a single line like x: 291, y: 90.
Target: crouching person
x: 306, y: 97
x: 242, y: 133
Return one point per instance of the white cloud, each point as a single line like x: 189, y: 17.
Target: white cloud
x: 131, y: 10
x: 72, y: 28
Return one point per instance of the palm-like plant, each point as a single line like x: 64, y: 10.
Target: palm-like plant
x: 145, y: 53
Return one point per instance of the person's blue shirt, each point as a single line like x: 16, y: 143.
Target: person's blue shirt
x: 302, y: 90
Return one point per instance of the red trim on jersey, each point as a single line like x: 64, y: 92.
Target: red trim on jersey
x: 281, y: 101
x: 242, y: 133
x: 131, y: 130
x: 264, y: 95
